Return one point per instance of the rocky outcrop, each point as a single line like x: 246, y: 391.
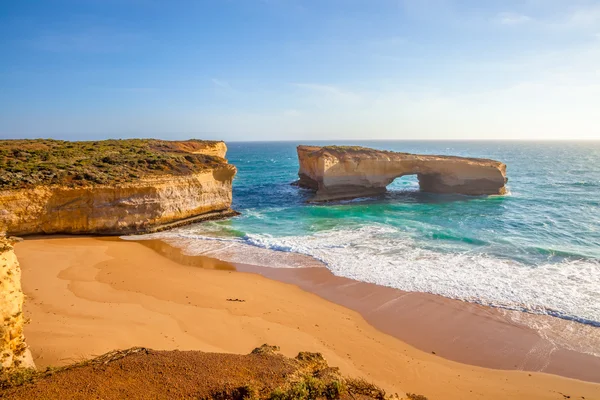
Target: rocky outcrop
x: 13, y: 350
x: 344, y: 172
x: 185, y: 188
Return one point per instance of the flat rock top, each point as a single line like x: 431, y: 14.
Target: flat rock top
x: 359, y: 152
x: 30, y: 163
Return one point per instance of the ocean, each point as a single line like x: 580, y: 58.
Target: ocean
x: 536, y: 249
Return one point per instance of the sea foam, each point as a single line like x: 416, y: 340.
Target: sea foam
x: 380, y: 254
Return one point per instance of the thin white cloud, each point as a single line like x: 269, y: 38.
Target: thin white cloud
x: 221, y: 83
x: 292, y: 113
x: 224, y: 90
x: 575, y: 18
x: 386, y: 42
x: 329, y: 94
x: 552, y: 96
x: 584, y: 17
x: 509, y: 18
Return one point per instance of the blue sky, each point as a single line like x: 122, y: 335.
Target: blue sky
x: 293, y: 69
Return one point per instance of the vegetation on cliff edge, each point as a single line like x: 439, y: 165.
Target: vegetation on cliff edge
x: 28, y: 163
x: 141, y: 373
x: 357, y: 150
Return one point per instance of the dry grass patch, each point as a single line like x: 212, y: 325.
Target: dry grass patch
x: 141, y: 373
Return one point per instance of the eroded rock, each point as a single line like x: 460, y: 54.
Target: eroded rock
x: 13, y: 350
x: 346, y: 172
x: 163, y: 184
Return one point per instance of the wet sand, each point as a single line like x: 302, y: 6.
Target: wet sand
x: 87, y: 296
x: 460, y: 331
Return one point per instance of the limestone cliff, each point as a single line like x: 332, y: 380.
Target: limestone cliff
x: 113, y: 187
x: 342, y: 172
x: 13, y: 350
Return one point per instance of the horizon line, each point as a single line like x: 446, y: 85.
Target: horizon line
x: 321, y: 140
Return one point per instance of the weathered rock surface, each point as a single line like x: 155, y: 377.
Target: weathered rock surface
x: 13, y: 350
x: 189, y: 192
x: 341, y: 172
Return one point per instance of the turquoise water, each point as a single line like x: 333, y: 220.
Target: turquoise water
x: 537, y: 249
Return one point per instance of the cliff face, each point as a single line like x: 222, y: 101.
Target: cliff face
x: 13, y: 350
x: 185, y: 189
x: 340, y: 172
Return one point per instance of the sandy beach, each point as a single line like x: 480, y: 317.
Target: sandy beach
x: 87, y: 296
x: 461, y: 331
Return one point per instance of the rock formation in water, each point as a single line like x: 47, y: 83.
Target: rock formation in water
x: 111, y: 187
x: 346, y: 172
x: 13, y: 350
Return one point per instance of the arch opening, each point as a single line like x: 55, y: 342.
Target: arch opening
x: 404, y: 183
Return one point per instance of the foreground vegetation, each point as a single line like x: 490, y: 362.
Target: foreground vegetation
x: 28, y: 163
x: 140, y: 373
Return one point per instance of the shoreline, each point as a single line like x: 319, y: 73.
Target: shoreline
x: 460, y: 331
x: 91, y: 295
x: 456, y: 330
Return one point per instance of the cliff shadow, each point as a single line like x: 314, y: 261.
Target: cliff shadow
x: 403, y: 189
x: 419, y: 196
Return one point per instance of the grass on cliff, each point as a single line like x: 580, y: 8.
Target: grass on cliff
x: 28, y: 163
x: 347, y: 148
x: 356, y: 150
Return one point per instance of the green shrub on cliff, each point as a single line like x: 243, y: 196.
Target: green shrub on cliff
x: 27, y: 163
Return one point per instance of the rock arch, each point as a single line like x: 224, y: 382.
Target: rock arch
x: 345, y: 172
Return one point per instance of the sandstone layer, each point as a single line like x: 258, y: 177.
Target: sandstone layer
x: 163, y: 184
x: 13, y: 350
x: 344, y: 172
